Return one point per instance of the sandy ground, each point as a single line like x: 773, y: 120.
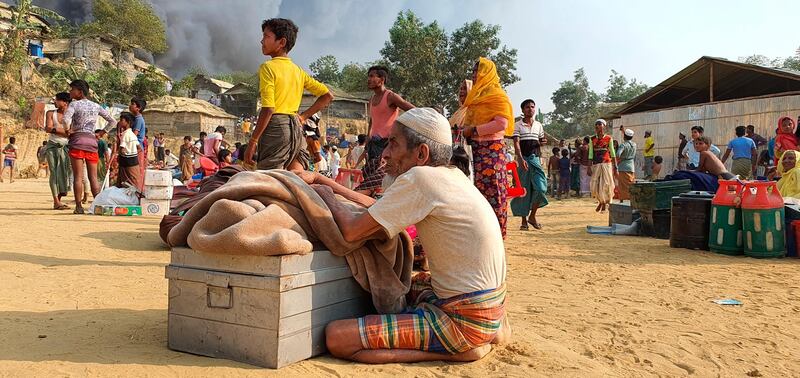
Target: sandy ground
x: 86, y: 296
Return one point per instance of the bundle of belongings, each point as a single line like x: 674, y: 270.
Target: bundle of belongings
x: 277, y: 213
x: 701, y: 181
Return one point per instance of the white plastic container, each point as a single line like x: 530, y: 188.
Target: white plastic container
x: 154, y: 177
x: 158, y: 192
x: 155, y: 208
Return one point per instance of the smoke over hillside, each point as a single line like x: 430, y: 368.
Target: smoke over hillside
x: 220, y: 36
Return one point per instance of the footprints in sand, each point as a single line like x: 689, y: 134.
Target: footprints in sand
x: 514, y: 353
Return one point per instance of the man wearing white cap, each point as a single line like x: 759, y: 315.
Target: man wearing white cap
x: 625, y: 166
x: 456, y: 310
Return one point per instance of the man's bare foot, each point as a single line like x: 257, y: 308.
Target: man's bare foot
x: 503, y: 335
x: 597, y: 209
x: 472, y: 355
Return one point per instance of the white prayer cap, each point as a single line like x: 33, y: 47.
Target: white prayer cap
x: 600, y: 120
x: 429, y: 123
x: 628, y: 132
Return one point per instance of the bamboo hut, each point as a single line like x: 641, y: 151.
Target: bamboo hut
x: 716, y: 94
x: 179, y: 116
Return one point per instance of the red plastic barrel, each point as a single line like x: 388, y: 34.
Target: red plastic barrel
x: 728, y: 194
x: 763, y: 220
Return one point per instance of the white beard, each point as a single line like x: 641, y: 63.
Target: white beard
x: 388, y: 180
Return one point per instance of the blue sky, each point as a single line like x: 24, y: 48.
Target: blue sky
x: 646, y: 40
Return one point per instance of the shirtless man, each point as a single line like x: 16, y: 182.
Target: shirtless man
x: 710, y: 163
x: 384, y: 107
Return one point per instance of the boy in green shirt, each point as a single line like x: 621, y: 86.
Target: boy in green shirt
x: 278, y: 136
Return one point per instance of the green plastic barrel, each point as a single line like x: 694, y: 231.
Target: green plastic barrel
x: 725, y: 230
x: 764, y: 232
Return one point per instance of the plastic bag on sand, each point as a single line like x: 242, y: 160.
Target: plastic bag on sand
x: 114, y: 196
x: 615, y: 229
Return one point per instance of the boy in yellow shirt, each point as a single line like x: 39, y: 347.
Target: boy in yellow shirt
x: 278, y: 136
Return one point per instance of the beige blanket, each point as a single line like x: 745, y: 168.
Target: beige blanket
x: 277, y: 213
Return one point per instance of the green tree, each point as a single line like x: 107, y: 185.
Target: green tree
x: 575, y: 106
x: 326, y: 70
x: 620, y: 89
x: 148, y: 85
x: 426, y: 64
x: 129, y: 24
x: 760, y: 60
x: 414, y: 54
x: 109, y: 85
x: 353, y: 77
x: 792, y: 63
x: 468, y: 43
x: 237, y: 77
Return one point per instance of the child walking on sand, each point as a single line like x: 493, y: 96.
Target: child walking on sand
x: 552, y: 171
x: 564, y: 174
x: 9, y: 159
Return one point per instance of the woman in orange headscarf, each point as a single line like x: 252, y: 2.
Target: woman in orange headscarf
x: 488, y: 119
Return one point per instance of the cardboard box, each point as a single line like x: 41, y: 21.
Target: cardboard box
x: 269, y: 311
x: 158, y: 192
x: 155, y: 208
x: 116, y: 210
x: 155, y: 177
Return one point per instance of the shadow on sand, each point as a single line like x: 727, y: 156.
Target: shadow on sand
x: 107, y: 336
x: 147, y: 241
x: 56, y: 261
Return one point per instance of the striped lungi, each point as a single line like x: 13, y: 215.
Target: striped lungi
x: 453, y: 325
x: 373, y: 172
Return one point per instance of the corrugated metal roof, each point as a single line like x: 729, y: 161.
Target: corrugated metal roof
x: 692, y: 85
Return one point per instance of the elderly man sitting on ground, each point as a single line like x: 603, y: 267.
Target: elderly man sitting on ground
x: 458, y: 309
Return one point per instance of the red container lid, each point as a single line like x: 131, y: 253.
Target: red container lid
x: 728, y: 194
x: 759, y: 195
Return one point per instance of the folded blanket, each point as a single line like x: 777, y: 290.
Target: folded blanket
x: 700, y: 181
x: 275, y: 213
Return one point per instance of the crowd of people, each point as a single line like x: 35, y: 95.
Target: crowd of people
x: 419, y: 169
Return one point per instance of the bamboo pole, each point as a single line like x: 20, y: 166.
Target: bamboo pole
x: 711, y: 82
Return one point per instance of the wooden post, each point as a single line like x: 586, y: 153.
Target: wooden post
x: 711, y: 82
